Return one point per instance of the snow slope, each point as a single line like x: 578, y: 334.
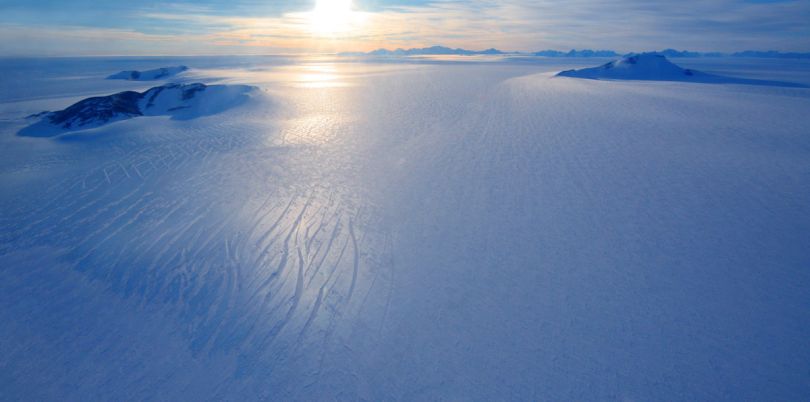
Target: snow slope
x: 444, y: 231
x: 653, y: 66
x: 148, y: 75
x: 182, y: 101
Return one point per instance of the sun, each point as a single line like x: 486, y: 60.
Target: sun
x: 333, y: 7
x: 332, y: 17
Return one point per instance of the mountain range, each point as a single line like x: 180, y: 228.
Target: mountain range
x: 672, y: 53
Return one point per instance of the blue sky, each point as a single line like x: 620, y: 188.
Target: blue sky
x: 116, y: 27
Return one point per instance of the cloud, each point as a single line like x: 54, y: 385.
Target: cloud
x: 623, y: 25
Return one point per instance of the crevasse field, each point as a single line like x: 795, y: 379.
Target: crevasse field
x: 464, y: 229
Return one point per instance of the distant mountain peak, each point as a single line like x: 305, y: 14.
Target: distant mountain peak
x: 669, y: 52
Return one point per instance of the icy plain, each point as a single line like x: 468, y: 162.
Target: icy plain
x: 414, y: 230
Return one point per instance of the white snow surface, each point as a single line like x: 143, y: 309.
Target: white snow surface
x: 419, y: 230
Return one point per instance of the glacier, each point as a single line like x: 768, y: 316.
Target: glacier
x: 428, y: 229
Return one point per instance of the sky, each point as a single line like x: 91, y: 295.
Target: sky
x: 146, y: 27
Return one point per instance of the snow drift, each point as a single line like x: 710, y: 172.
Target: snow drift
x: 148, y: 75
x: 656, y: 67
x: 424, y: 231
x: 181, y: 101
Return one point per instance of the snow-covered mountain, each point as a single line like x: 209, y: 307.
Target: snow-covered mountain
x: 656, y: 67
x: 148, y: 75
x: 181, y: 101
x: 644, y: 66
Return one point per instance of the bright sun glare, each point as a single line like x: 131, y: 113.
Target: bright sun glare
x: 332, y: 17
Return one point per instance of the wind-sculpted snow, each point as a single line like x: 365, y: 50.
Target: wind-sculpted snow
x: 148, y: 75
x: 414, y: 232
x: 181, y: 101
x: 656, y: 67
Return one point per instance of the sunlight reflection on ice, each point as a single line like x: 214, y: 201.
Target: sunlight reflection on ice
x: 319, y: 76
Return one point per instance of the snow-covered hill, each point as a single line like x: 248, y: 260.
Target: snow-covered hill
x: 181, y: 101
x: 656, y: 67
x: 148, y: 75
x: 645, y: 66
